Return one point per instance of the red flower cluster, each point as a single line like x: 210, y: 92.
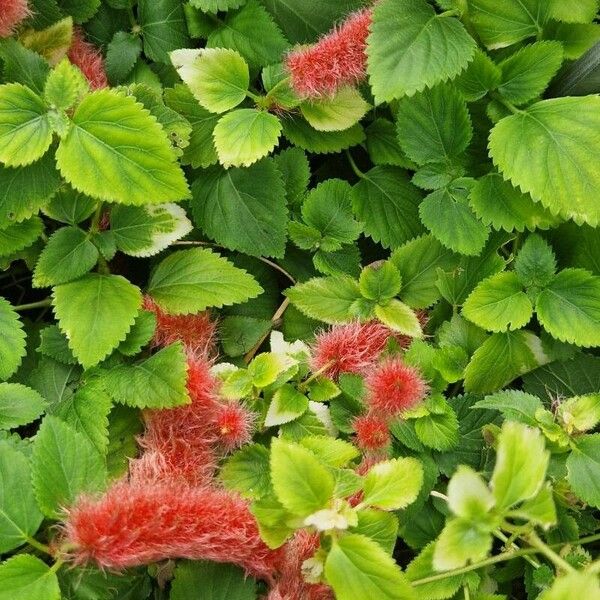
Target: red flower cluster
x: 12, y: 13
x: 338, y: 59
x: 372, y: 433
x: 88, y: 59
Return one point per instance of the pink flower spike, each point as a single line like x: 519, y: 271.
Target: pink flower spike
x: 372, y: 433
x: 234, y: 425
x: 337, y: 59
x: 12, y: 13
x: 394, y: 387
x: 88, y: 59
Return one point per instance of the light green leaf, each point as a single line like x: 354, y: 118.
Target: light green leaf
x: 539, y: 510
x: 481, y: 76
x: 20, y: 516
x: 513, y: 21
x: 121, y: 55
x: 23, y: 65
x: 434, y: 125
x: 411, y: 47
x: 501, y: 359
x: 287, y: 404
x: 65, y: 86
x: 293, y: 164
x: 583, y: 467
x: 399, y: 317
x: 26, y: 577
x: 328, y: 299
x: 499, y: 303
x: 379, y: 526
x: 19, y: 236
x: 163, y: 27
x: 535, y: 264
x: 569, y: 307
x: 247, y: 471
x: 140, y: 334
x: 447, y: 214
x: 516, y: 477
x: 459, y: 543
x: 337, y: 113
x: 214, y: 6
x: 527, y: 73
x: 244, y: 136
x: 468, y: 495
x: 574, y: 11
x: 218, y: 78
x: 382, y: 144
x: 580, y: 413
x: 546, y: 150
x: 514, y: 405
x: 12, y: 339
x: 393, y: 484
x: 301, y: 134
x: 68, y: 254
x: 387, y: 203
x: 502, y: 206
x: 25, y: 131
x: 188, y: 281
x: 242, y: 209
x: 115, y: 150
x: 438, y: 430
x: 64, y: 465
x: 358, y: 567
x: 69, y: 206
x: 380, y: 282
x: 302, y: 484
x: 252, y: 32
x: 19, y: 405
x: 576, y: 584
x: 333, y: 452
x: 96, y: 313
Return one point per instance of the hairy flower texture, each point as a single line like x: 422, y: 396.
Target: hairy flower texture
x: 12, y: 12
x: 234, y: 425
x: 290, y: 582
x: 337, y: 59
x: 393, y: 387
x: 372, y: 433
x: 88, y: 59
x: 135, y: 524
x: 197, y: 332
x: 351, y: 348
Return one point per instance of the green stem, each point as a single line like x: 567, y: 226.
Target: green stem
x: 57, y: 565
x: 544, y: 549
x: 38, y: 545
x: 450, y: 13
x: 354, y: 166
x: 501, y: 536
x: 32, y: 305
x: 274, y: 319
x: 304, y: 385
x: 509, y: 105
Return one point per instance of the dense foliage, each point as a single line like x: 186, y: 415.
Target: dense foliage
x: 299, y: 299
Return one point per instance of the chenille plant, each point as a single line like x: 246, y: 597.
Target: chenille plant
x: 299, y: 299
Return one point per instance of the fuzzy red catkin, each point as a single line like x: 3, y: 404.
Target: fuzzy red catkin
x: 88, y: 59
x: 372, y: 433
x: 12, y: 13
x: 337, y: 59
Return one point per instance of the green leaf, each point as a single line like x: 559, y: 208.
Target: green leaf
x: 358, y: 567
x: 157, y: 382
x: 514, y: 405
x: 287, y: 404
x: 244, y: 136
x: 163, y: 27
x: 438, y: 430
x: 546, y: 150
x: 574, y: 11
x: 68, y: 254
x: 252, y: 32
x: 23, y: 65
x: 393, y: 484
x: 301, y: 134
x: 18, y: 236
x: 583, y: 467
x: 516, y: 20
x: 333, y: 452
x: 80, y: 10
x: 20, y: 516
x: 535, y: 264
x: 516, y: 477
x: 578, y: 584
x: 411, y: 47
x: 25, y: 131
x: 499, y: 303
x: 481, y: 76
x: 140, y: 334
x: 96, y: 313
x: 188, y: 281
x: 293, y: 165
x: 399, y: 317
x: 19, y: 405
x: 569, y: 307
x: 501, y: 359
x: 218, y: 78
x: 69, y: 206
x: 387, y: 203
x: 539, y: 510
x: 380, y: 282
x: 12, y: 339
x: 328, y: 299
x: 302, y: 484
x: 113, y: 133
x: 447, y: 214
x: 239, y: 334
x: 206, y: 580
x: 577, y: 39
x: 247, y: 471
x: 580, y: 413
x: 26, y: 577
x: 418, y: 261
x: 469, y: 496
x: 337, y: 113
x: 434, y: 126
x: 64, y: 465
x: 459, y: 543
x: 242, y: 209
x: 527, y: 73
x: 382, y: 144
x: 213, y: 6
x: 65, y: 86
x: 379, y: 526
x: 498, y: 204
x: 121, y: 55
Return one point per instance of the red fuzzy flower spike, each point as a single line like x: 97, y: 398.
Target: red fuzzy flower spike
x: 88, y: 59
x: 234, y: 425
x: 12, y: 12
x: 394, y: 387
x: 351, y: 348
x: 372, y: 433
x: 137, y: 524
x: 336, y: 60
x: 197, y: 332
